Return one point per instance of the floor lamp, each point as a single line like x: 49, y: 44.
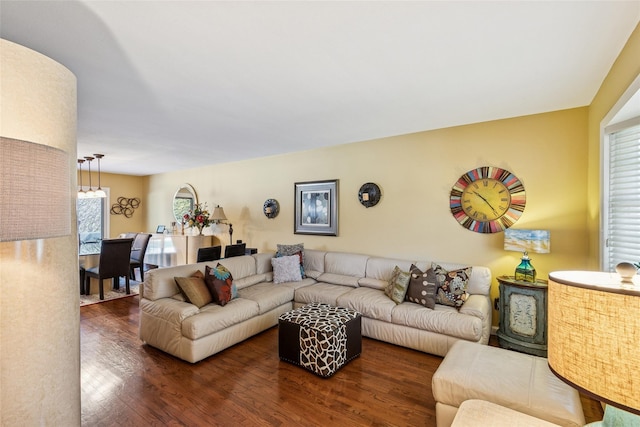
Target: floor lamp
x: 594, y: 339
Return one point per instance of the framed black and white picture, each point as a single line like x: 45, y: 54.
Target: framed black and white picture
x: 316, y: 208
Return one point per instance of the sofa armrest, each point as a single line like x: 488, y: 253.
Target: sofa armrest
x: 169, y: 309
x: 479, y: 306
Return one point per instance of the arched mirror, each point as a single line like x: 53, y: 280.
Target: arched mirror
x: 183, y: 201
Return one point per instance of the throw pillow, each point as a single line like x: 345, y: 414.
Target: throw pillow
x: 397, y: 287
x: 421, y: 290
x: 194, y: 289
x: 286, y: 269
x: 220, y: 283
x: 452, y: 285
x: 287, y: 250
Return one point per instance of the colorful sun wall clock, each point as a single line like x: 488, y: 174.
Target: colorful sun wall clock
x: 487, y: 199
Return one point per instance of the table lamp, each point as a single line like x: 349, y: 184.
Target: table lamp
x: 525, y: 241
x: 218, y: 216
x: 594, y: 339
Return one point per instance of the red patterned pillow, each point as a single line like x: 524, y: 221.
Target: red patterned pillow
x: 220, y: 283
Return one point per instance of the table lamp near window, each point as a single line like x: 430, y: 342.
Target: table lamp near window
x: 525, y: 241
x: 594, y: 339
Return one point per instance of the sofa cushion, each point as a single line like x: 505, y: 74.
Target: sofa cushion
x: 421, y: 290
x: 214, y: 318
x: 320, y: 292
x: 452, y: 285
x: 398, y: 284
x: 194, y: 289
x: 338, y: 279
x: 252, y: 280
x: 442, y: 319
x: 267, y: 295
x: 286, y: 269
x: 372, y: 303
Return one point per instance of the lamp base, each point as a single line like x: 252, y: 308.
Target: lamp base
x: 525, y: 271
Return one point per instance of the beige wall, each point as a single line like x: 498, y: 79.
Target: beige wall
x: 416, y: 173
x: 126, y: 186
x: 39, y: 339
x: 622, y: 74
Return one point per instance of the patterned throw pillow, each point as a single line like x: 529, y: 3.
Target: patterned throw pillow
x: 452, y: 285
x: 397, y: 287
x: 194, y: 289
x: 286, y: 269
x: 220, y: 283
x: 421, y: 290
x: 287, y: 250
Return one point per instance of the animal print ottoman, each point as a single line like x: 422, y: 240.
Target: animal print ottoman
x: 319, y: 337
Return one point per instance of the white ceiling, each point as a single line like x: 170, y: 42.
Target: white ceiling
x: 169, y: 85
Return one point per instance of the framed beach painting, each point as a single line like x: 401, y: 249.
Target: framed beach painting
x: 316, y: 208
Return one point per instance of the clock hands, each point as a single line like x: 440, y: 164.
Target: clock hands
x: 486, y: 201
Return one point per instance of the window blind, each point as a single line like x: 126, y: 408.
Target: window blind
x: 623, y: 222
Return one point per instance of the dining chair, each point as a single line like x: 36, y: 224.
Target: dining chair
x: 138, y: 252
x: 234, y: 250
x: 210, y: 253
x: 115, y: 256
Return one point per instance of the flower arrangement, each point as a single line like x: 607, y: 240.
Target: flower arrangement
x: 197, y: 217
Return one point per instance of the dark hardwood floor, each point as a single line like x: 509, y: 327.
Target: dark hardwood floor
x: 126, y: 383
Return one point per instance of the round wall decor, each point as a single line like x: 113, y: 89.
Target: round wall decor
x: 271, y: 208
x: 487, y: 199
x: 369, y: 194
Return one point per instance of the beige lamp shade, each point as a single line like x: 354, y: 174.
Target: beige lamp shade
x: 218, y: 214
x: 594, y: 335
x: 35, y: 200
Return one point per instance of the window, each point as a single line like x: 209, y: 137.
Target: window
x: 92, y: 223
x: 621, y: 201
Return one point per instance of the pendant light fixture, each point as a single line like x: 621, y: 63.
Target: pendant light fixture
x: 90, y: 193
x: 99, y: 192
x: 81, y: 193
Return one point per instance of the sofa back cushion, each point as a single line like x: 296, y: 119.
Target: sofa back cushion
x: 263, y: 262
x: 379, y: 271
x: 313, y: 263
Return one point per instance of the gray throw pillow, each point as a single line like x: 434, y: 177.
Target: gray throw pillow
x: 421, y: 290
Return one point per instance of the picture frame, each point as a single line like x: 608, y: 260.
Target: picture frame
x: 160, y: 229
x: 316, y: 208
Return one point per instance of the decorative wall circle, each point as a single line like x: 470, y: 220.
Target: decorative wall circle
x: 271, y: 208
x: 125, y: 206
x: 369, y: 194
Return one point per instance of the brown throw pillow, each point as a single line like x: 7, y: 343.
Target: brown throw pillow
x: 421, y: 290
x: 194, y: 289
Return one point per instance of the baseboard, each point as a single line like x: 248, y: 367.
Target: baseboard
x: 494, y: 330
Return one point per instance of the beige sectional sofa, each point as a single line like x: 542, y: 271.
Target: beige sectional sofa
x: 351, y: 280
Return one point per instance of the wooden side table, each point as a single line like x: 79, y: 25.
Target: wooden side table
x: 523, y: 315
